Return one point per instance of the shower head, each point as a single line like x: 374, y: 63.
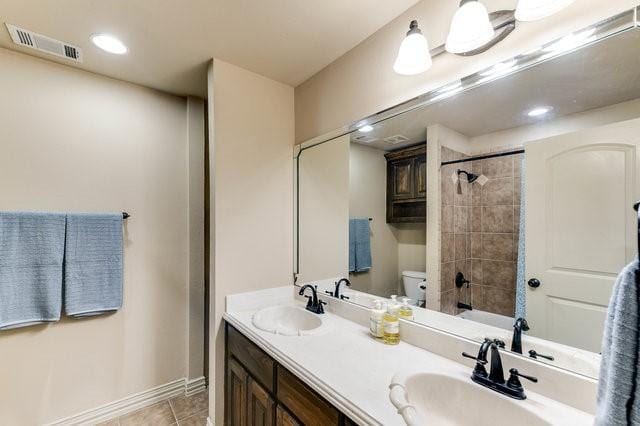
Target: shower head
x: 470, y: 176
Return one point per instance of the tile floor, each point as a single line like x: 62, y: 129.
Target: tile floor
x: 180, y: 411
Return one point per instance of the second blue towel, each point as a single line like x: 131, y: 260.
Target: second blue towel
x: 93, y: 264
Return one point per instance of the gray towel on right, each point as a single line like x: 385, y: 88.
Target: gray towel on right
x: 31, y: 251
x: 618, y: 385
x: 93, y: 264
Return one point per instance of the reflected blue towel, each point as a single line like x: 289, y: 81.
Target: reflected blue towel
x: 93, y: 264
x: 31, y: 252
x: 359, y: 245
x: 618, y: 385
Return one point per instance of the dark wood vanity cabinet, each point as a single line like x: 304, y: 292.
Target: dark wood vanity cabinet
x: 260, y: 392
x: 407, y: 184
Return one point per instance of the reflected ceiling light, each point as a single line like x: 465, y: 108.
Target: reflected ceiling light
x: 109, y: 44
x: 366, y: 128
x: 532, y: 10
x: 500, y: 68
x: 539, y: 111
x: 413, y: 56
x: 470, y: 28
x: 571, y: 41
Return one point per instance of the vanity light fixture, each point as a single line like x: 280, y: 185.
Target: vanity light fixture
x: 109, y: 43
x: 539, y: 111
x: 470, y: 29
x: 413, y: 56
x: 366, y: 128
x: 532, y: 10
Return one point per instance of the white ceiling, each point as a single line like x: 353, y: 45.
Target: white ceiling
x: 171, y: 41
x: 596, y: 76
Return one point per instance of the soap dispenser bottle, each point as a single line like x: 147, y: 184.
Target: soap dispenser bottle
x: 391, y: 324
x: 376, y: 319
x: 406, y: 312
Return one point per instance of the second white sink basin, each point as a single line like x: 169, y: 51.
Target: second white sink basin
x: 431, y: 398
x: 288, y: 321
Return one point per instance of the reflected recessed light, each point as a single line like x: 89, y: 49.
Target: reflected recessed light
x: 109, y: 44
x: 539, y: 111
x: 366, y: 128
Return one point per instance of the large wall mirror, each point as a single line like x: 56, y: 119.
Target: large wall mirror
x: 500, y: 205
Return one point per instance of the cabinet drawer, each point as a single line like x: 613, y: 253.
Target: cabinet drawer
x: 304, y: 403
x: 255, y: 360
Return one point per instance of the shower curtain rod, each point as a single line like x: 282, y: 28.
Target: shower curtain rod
x: 483, y: 157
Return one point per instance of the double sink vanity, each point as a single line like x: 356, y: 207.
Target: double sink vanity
x: 287, y: 365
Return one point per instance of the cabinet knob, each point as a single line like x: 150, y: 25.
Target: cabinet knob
x: 534, y: 283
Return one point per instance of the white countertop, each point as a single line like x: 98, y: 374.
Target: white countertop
x: 344, y: 364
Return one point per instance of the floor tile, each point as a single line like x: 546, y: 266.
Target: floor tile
x: 155, y: 415
x: 185, y: 406
x: 199, y: 419
x: 112, y: 422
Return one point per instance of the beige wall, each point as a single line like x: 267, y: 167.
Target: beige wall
x: 251, y: 134
x: 195, y: 291
x: 368, y: 198
x: 74, y: 141
x: 324, y: 211
x: 362, y: 81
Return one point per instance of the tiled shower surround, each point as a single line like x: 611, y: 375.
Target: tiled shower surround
x: 480, y: 234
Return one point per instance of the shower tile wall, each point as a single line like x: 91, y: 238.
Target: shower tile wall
x: 480, y: 234
x: 495, y: 219
x: 455, y: 229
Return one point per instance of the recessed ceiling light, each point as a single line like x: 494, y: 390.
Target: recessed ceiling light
x: 366, y: 128
x: 109, y: 44
x: 539, y: 111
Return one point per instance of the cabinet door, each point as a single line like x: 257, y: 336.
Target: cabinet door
x: 260, y: 405
x: 401, y: 179
x: 421, y: 176
x: 283, y: 418
x: 237, y: 379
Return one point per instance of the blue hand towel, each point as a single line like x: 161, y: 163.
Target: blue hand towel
x: 93, y: 264
x: 31, y: 253
x: 618, y: 385
x: 359, y: 245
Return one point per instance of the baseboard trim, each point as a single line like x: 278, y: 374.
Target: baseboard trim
x: 127, y: 404
x: 194, y: 386
x: 209, y: 422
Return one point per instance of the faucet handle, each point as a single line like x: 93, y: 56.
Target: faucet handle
x: 343, y: 297
x: 330, y: 293
x: 309, y: 300
x: 514, y: 382
x: 476, y: 359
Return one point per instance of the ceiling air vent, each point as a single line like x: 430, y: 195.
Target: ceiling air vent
x: 365, y: 139
x: 43, y: 43
x: 394, y: 140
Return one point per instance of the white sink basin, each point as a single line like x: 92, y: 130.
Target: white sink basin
x: 288, y: 321
x: 443, y: 399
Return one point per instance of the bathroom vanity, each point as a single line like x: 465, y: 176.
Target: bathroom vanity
x: 287, y: 368
x: 262, y: 392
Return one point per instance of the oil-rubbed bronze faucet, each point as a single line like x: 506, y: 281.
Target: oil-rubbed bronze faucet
x: 313, y: 303
x: 495, y: 379
x: 336, y: 292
